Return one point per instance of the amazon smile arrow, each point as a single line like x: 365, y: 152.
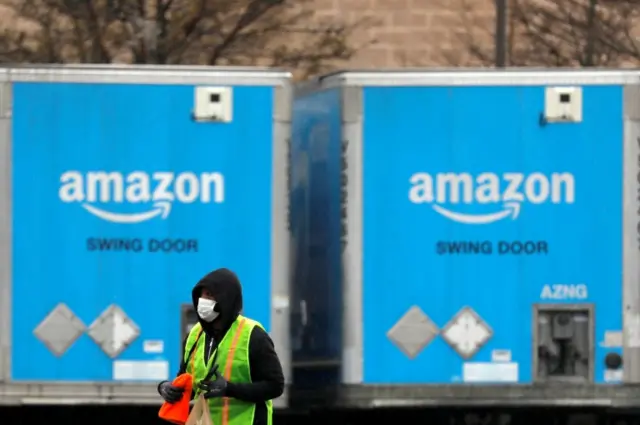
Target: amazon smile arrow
x: 161, y: 209
x: 509, y: 209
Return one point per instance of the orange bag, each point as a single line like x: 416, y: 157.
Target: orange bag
x: 177, y: 413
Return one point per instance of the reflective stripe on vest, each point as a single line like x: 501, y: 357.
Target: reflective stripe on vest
x: 233, y: 363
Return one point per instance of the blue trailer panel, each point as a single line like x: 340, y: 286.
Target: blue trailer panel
x: 457, y: 172
x: 122, y: 198
x: 482, y: 229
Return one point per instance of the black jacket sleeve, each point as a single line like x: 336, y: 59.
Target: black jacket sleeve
x: 183, y: 365
x: 266, y: 371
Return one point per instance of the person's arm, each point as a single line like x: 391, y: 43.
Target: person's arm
x: 266, y: 371
x: 183, y: 366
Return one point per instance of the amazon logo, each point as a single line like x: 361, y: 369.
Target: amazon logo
x: 501, y: 196
x: 101, y: 193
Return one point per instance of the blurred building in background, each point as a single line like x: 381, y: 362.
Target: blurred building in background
x: 315, y: 36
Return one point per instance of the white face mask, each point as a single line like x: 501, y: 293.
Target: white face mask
x: 205, y: 310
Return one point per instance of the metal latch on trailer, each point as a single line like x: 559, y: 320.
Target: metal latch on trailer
x: 213, y: 104
x: 562, y: 105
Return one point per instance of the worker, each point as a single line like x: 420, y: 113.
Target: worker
x: 231, y: 357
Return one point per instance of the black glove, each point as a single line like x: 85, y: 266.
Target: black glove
x: 215, y: 387
x: 170, y: 393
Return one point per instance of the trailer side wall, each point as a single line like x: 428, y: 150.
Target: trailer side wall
x: 437, y: 236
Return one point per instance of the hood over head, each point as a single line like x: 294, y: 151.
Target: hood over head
x: 225, y: 287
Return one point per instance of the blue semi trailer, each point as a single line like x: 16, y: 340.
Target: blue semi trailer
x: 467, y: 237
x: 121, y: 186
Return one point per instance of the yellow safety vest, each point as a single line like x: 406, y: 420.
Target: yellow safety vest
x: 232, y: 359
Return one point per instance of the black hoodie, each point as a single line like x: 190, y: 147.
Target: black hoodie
x: 267, y: 379
x: 227, y: 291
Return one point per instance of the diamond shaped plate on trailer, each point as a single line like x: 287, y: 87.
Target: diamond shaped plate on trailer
x: 413, y: 332
x: 466, y: 332
x: 60, y: 329
x: 113, y: 331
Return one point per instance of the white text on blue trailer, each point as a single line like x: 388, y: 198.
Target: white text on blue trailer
x: 120, y: 187
x: 478, y: 229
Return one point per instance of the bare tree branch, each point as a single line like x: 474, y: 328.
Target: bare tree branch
x: 239, y: 32
x: 567, y: 33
